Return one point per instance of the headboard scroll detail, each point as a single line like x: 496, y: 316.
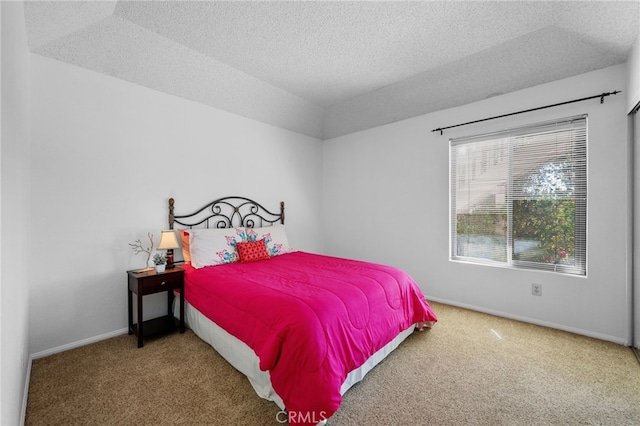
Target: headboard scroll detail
x: 227, y: 212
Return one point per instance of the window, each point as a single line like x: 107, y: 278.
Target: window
x: 519, y: 197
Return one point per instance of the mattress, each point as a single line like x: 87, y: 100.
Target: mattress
x: 243, y: 359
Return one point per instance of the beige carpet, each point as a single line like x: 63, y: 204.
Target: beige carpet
x: 470, y: 369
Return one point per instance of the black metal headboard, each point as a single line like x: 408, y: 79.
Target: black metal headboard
x: 227, y: 212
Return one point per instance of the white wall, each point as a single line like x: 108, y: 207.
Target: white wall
x: 633, y: 96
x: 15, y: 211
x: 635, y: 118
x: 386, y: 198
x: 106, y: 156
x: 633, y: 83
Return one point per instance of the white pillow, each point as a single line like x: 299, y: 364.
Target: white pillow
x: 214, y: 246
x: 275, y: 236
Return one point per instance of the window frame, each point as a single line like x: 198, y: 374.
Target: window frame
x: 581, y: 201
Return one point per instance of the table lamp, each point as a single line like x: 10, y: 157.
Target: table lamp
x: 168, y: 242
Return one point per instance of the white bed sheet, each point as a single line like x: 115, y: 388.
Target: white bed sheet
x: 244, y: 359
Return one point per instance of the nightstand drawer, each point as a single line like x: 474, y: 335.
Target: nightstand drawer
x: 161, y: 282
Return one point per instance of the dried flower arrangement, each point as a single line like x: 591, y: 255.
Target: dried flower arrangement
x: 138, y: 248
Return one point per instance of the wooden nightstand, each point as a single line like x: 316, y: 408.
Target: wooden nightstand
x: 150, y: 282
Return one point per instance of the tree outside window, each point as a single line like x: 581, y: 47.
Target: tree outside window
x: 544, y: 225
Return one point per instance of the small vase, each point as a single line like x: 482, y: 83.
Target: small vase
x: 160, y: 268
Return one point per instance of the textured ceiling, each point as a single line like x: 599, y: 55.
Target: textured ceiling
x: 326, y: 69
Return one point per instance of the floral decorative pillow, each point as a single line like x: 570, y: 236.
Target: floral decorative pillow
x: 215, y: 246
x: 275, y: 237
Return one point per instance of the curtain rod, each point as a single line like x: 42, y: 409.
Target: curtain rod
x: 601, y: 96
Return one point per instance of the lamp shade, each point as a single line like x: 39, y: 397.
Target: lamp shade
x: 168, y: 241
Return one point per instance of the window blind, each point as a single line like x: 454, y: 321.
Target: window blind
x: 519, y: 197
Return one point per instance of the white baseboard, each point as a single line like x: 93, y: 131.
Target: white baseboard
x: 79, y: 343
x: 599, y: 336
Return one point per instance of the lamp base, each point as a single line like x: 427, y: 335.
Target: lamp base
x: 170, y: 264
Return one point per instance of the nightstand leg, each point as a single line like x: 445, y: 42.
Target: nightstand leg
x: 170, y: 320
x: 182, y: 310
x: 130, y: 309
x: 140, y: 322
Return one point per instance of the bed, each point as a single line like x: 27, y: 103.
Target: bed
x: 302, y: 327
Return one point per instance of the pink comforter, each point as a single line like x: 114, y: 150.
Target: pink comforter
x: 310, y: 319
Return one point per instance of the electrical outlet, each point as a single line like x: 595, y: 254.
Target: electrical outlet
x: 536, y: 289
